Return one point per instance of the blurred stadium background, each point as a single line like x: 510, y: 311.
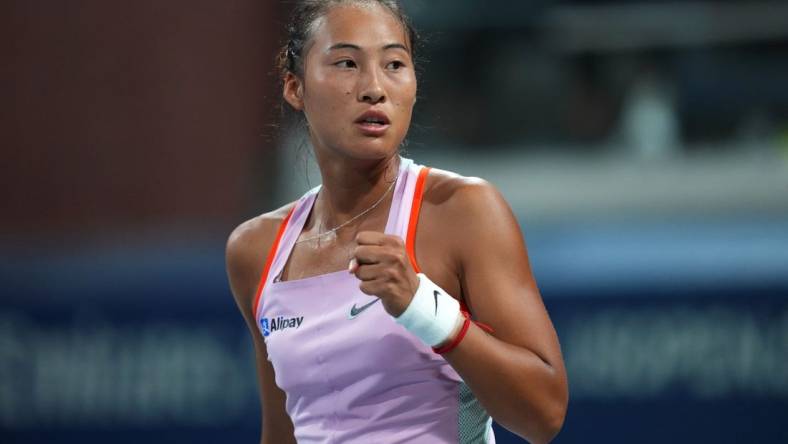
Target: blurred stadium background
x: 643, y: 146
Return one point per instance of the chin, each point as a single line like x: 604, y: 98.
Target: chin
x: 375, y: 149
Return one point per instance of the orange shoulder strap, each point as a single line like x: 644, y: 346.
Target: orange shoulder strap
x: 410, y: 242
x: 269, y: 261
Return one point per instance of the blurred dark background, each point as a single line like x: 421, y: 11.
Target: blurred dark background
x: 643, y: 146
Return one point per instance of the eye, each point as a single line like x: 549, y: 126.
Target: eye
x: 395, y: 65
x: 345, y: 64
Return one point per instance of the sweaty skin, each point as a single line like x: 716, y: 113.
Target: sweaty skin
x: 467, y: 239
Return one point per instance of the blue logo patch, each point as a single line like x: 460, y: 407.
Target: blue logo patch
x: 264, y: 324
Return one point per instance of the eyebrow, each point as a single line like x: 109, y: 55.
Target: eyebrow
x: 358, y: 48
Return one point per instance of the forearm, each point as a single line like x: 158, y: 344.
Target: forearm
x: 521, y: 391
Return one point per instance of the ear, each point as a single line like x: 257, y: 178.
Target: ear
x: 293, y: 91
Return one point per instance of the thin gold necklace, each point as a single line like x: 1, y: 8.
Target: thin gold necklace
x: 334, y: 230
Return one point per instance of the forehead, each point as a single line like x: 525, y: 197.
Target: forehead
x: 363, y: 24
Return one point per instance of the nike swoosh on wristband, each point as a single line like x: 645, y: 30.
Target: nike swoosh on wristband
x: 355, y: 311
x: 435, y: 293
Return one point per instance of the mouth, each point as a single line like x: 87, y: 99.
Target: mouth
x: 373, y: 123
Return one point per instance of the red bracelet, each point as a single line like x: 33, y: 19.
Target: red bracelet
x: 483, y: 326
x: 450, y: 346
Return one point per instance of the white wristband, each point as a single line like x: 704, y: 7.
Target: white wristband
x: 432, y: 314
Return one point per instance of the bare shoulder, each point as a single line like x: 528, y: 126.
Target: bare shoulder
x: 467, y: 215
x: 247, y: 248
x: 256, y: 232
x: 453, y: 194
x: 460, y: 218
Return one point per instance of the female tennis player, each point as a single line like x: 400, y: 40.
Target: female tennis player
x: 394, y: 303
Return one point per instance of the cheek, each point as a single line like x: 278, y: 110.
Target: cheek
x: 405, y: 101
x: 407, y: 93
x: 325, y: 93
x: 322, y: 108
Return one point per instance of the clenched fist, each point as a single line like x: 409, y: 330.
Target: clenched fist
x: 381, y: 263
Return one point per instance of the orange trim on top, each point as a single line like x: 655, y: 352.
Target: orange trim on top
x: 269, y: 261
x: 410, y: 243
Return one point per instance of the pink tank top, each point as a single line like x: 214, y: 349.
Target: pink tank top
x: 350, y: 372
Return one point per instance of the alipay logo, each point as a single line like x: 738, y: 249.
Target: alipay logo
x: 279, y: 323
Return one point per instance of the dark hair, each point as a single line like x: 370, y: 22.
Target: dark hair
x: 303, y: 17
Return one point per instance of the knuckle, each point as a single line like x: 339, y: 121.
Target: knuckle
x: 402, y: 258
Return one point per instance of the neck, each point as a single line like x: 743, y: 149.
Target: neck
x: 351, y: 186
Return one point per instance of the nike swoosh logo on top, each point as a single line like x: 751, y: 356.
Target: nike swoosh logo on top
x: 355, y: 311
x: 435, y: 293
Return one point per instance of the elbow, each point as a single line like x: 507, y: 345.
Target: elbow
x: 536, y: 430
x: 553, y: 418
x: 553, y: 424
x: 546, y: 428
x: 542, y: 424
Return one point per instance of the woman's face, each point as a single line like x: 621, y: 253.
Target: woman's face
x: 359, y: 84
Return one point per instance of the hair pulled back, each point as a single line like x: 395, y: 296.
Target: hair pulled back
x: 307, y: 12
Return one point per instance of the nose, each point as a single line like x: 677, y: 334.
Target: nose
x: 370, y: 88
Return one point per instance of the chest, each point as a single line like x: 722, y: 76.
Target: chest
x: 315, y: 255
x: 324, y: 335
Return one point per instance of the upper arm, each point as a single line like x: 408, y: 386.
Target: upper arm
x: 247, y: 249
x: 495, y: 274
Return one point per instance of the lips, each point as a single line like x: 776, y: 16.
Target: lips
x: 373, y: 123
